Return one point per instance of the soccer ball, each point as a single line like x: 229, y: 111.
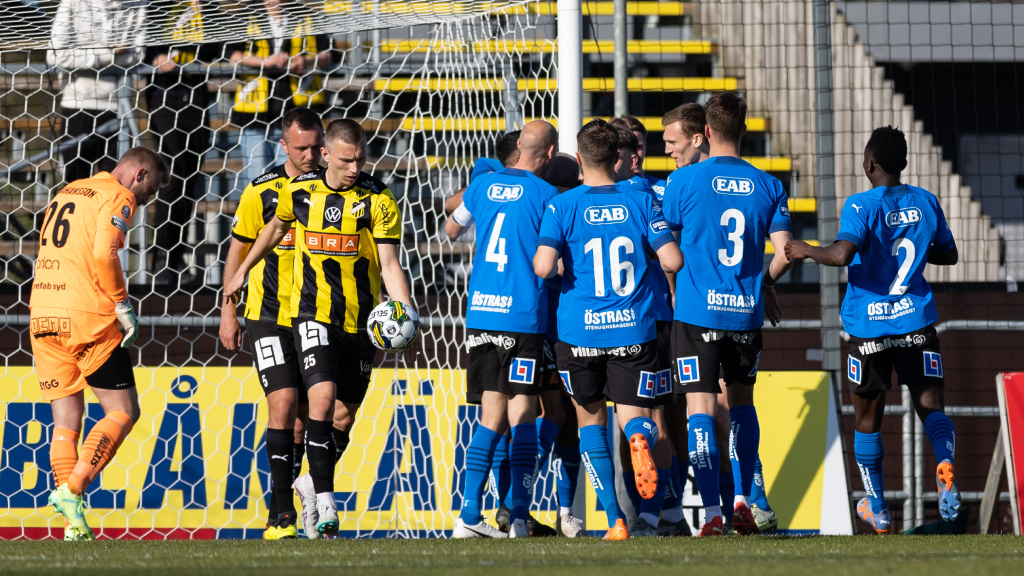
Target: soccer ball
x: 392, y: 326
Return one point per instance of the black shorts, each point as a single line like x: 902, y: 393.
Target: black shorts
x: 273, y: 352
x: 115, y: 374
x: 505, y: 362
x: 627, y: 375
x: 914, y: 355
x: 664, y: 340
x: 550, y: 380
x: 328, y: 353
x: 699, y: 352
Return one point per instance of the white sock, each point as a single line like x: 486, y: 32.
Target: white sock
x: 563, y: 511
x: 326, y: 499
x: 741, y: 499
x: 649, y: 518
x: 674, y: 515
x: 711, y: 511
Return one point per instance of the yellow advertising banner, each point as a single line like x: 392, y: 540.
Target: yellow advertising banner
x: 194, y: 465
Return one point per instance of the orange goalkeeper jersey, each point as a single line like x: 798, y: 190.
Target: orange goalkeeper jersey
x: 83, y: 228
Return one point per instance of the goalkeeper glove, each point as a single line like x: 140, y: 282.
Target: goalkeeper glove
x: 129, y: 323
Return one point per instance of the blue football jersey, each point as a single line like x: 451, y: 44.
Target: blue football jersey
x: 484, y: 166
x: 603, y: 235
x: 893, y: 229
x: 662, y: 301
x: 725, y: 209
x: 504, y: 292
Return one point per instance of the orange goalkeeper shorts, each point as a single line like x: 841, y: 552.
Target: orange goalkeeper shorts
x: 70, y: 345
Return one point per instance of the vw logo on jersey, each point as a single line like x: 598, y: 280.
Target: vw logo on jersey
x: 606, y: 214
x: 505, y: 192
x: 903, y: 217
x: 733, y: 186
x: 333, y: 214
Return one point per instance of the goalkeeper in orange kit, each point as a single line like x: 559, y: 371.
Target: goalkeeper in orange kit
x: 82, y: 322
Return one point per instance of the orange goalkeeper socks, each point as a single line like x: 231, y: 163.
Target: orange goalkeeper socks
x: 63, y: 454
x: 99, y: 449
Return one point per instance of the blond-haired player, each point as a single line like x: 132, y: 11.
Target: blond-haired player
x: 79, y: 308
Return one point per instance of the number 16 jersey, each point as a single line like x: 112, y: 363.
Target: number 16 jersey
x: 725, y: 208
x: 893, y: 229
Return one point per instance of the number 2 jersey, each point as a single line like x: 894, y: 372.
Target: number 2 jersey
x: 504, y: 292
x: 604, y: 234
x: 893, y: 230
x: 725, y: 209
x: 83, y: 228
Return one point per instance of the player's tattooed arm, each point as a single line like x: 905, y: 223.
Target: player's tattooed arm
x: 839, y: 253
x: 270, y: 237
x: 230, y: 330
x: 943, y: 257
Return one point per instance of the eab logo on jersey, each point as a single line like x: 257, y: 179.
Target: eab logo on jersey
x: 733, y: 186
x: 903, y: 217
x: 606, y: 215
x: 504, y: 192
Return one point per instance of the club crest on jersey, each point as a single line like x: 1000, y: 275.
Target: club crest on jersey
x: 598, y: 215
x: 733, y: 186
x: 933, y: 364
x: 688, y: 368
x: 853, y: 369
x: 903, y: 217
x: 504, y: 192
x: 521, y: 371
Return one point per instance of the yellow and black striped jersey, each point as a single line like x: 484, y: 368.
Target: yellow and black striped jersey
x: 270, y: 281
x: 337, y: 267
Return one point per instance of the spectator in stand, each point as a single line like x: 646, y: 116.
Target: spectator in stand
x: 89, y: 98
x: 179, y: 117
x: 286, y: 53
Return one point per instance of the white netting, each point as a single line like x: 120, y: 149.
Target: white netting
x: 434, y: 85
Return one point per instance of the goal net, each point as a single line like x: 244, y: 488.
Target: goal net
x: 434, y: 85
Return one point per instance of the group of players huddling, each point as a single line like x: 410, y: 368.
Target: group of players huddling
x: 592, y: 282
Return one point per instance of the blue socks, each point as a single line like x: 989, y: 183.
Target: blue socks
x: 524, y: 461
x: 568, y: 467
x: 478, y: 461
x: 501, y: 471
x: 645, y: 426
x: 744, y: 439
x: 547, y: 431
x: 758, y: 496
x: 703, y: 448
x: 597, y: 457
x: 869, y: 452
x: 674, y: 496
x: 940, y: 433
x: 727, y: 487
x: 650, y: 510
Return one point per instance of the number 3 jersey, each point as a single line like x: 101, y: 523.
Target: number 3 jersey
x: 893, y: 230
x: 504, y: 292
x: 725, y: 209
x: 604, y: 235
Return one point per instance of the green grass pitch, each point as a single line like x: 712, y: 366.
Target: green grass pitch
x: 754, y: 556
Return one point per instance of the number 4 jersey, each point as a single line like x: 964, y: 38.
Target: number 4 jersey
x: 893, y: 230
x: 504, y: 293
x: 725, y: 208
